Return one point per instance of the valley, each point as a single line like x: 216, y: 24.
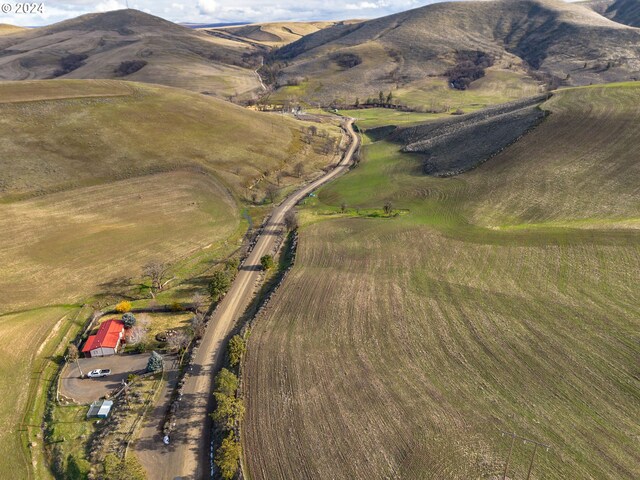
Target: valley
x: 341, y: 247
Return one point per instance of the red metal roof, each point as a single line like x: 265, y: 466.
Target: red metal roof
x: 108, y: 336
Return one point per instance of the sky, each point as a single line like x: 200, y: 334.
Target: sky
x: 212, y: 11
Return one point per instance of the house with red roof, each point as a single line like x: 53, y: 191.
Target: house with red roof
x: 107, y: 341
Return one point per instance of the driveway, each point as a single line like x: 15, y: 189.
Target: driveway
x: 87, y: 390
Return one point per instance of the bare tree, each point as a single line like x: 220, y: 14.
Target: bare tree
x: 157, y: 272
x: 178, y: 341
x: 298, y: 170
x: 137, y: 335
x: 198, y: 301
x: 198, y: 325
x: 388, y: 208
x: 272, y: 193
x: 343, y: 207
x: 291, y: 220
x: 279, y: 176
x: 72, y: 353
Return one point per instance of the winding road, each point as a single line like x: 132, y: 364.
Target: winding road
x: 188, y: 455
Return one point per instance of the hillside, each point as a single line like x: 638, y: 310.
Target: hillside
x: 549, y: 39
x: 400, y: 347
x: 624, y: 11
x: 130, y: 45
x: 277, y: 34
x: 6, y: 29
x: 98, y: 155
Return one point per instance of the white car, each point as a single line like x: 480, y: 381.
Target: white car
x: 99, y: 373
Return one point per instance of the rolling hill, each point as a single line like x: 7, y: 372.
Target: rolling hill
x: 626, y: 12
x: 6, y: 29
x: 130, y: 45
x: 410, y: 50
x: 504, y: 298
x: 277, y: 34
x: 72, y: 147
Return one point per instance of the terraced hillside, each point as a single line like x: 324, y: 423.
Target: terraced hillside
x: 131, y: 45
x: 505, y: 298
x: 568, y: 42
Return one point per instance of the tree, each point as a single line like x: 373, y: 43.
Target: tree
x: 298, y: 170
x: 343, y: 207
x: 77, y: 469
x: 389, y: 98
x: 226, y: 383
x: 272, y: 193
x: 198, y: 325
x: 129, y: 320
x: 313, y: 130
x: 137, y: 335
x: 237, y: 348
x: 198, y: 301
x: 157, y: 272
x: 388, y: 207
x: 280, y: 175
x: 72, y: 352
x: 155, y: 362
x: 357, y: 104
x: 381, y: 96
x: 229, y: 410
x: 220, y: 283
x: 232, y: 264
x: 291, y: 220
x: 227, y: 456
x: 267, y: 262
x: 123, y: 306
x: 178, y: 341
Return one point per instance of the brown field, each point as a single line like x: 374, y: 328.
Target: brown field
x: 400, y: 347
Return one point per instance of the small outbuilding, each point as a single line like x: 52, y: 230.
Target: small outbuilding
x: 107, y: 341
x: 100, y: 409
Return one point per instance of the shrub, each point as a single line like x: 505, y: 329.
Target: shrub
x: 220, y: 283
x: 128, y: 67
x: 77, y: 469
x: 227, y: 457
x: 226, y: 382
x: 129, y: 320
x: 267, y: 262
x: 237, y: 348
x: 470, y: 66
x: 232, y: 264
x: 123, y: 307
x: 155, y: 362
x: 347, y: 60
x: 72, y: 352
x: 70, y: 63
x: 127, y: 469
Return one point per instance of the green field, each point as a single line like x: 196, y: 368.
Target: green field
x: 505, y: 299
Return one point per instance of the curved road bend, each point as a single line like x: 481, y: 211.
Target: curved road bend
x: 188, y: 455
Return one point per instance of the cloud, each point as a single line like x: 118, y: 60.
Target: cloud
x: 108, y: 5
x: 207, y: 7
x: 213, y: 11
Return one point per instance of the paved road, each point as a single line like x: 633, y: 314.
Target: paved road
x: 188, y: 455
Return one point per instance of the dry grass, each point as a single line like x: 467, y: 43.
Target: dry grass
x: 23, y: 345
x: 398, y: 347
x: 276, y: 34
x: 6, y: 29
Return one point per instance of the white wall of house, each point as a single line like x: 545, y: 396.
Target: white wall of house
x: 103, y: 352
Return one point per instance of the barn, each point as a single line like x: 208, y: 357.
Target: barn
x: 107, y: 341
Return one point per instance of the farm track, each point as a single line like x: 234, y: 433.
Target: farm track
x: 188, y: 455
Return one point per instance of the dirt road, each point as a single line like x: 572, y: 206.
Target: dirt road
x: 188, y: 454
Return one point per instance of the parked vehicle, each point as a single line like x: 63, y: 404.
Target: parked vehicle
x: 99, y: 373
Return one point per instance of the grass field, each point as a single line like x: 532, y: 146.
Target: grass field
x: 398, y: 348
x: 22, y: 372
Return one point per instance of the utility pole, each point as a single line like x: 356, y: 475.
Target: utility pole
x: 536, y: 444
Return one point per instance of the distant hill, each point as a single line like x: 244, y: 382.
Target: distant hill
x: 550, y: 38
x: 130, y: 45
x: 277, y: 34
x: 626, y: 12
x: 6, y: 29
